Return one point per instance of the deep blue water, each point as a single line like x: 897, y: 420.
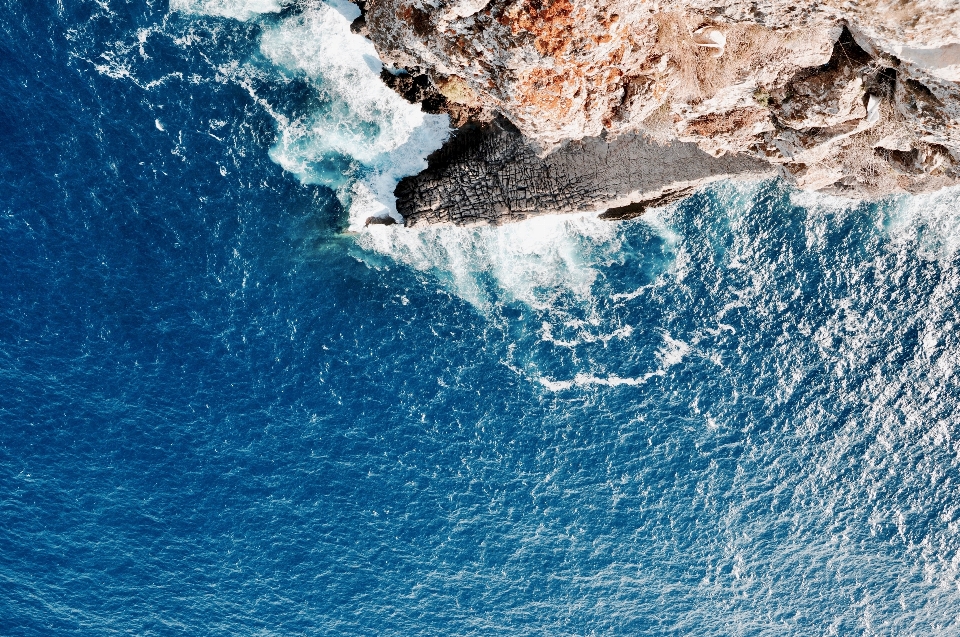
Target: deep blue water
x: 220, y: 414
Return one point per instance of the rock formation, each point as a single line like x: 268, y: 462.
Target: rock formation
x: 489, y: 174
x: 606, y: 100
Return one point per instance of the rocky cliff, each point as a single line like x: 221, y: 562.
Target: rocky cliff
x: 489, y: 174
x: 607, y: 103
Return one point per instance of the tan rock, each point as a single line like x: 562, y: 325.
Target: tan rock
x: 791, y: 83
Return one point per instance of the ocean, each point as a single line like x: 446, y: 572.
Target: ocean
x: 226, y: 408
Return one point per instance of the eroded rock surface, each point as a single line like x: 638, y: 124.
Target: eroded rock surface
x: 853, y: 98
x: 489, y: 174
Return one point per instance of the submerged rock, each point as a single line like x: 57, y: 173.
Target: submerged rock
x: 604, y: 99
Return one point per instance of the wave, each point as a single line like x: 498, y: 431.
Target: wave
x: 671, y: 353
x: 806, y: 341
x: 584, y: 380
x: 236, y: 9
x: 358, y: 137
x: 534, y: 261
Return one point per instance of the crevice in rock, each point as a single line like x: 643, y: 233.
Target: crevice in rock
x: 636, y: 209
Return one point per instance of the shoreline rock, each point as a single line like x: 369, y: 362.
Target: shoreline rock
x: 488, y: 174
x: 564, y: 105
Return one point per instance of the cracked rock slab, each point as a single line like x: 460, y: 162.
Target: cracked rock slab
x: 488, y: 174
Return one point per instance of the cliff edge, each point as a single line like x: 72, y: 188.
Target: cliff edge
x: 571, y: 105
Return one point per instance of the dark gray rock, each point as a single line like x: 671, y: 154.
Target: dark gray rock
x: 487, y: 174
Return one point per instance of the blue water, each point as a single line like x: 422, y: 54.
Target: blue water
x: 221, y: 414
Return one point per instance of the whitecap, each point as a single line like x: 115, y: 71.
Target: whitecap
x: 930, y: 223
x: 672, y: 351
x: 236, y: 9
x: 533, y: 261
x: 586, y: 380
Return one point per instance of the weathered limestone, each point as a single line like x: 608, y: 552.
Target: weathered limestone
x: 855, y: 98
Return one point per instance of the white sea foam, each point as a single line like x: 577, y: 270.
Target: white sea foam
x: 347, y: 9
x: 358, y: 137
x: 236, y: 9
x: 673, y: 351
x: 533, y: 261
x: 361, y: 138
x: 931, y: 222
x: 584, y: 333
x: 585, y: 380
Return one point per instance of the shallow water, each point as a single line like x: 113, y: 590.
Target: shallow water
x: 223, y: 415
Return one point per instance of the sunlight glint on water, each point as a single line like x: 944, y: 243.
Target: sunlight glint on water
x: 223, y: 416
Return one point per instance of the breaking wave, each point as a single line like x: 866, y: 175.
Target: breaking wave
x: 354, y: 134
x: 235, y: 9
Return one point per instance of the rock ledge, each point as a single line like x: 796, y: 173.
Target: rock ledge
x: 574, y: 105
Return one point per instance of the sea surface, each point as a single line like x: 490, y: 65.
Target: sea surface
x: 228, y: 409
